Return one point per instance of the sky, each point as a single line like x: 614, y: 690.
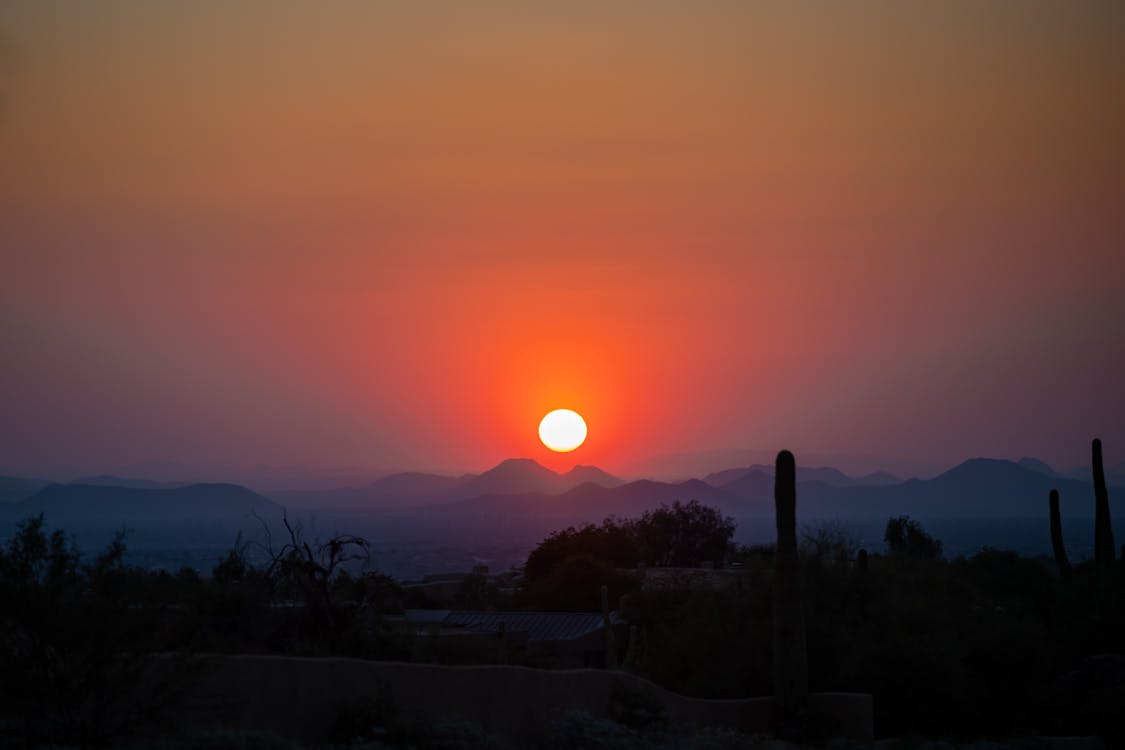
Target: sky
x: 393, y: 235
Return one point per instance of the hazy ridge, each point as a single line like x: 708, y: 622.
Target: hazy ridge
x: 420, y: 521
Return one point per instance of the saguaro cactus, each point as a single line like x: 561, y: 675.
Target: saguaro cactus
x: 1103, y: 529
x: 790, y: 658
x: 1057, y: 538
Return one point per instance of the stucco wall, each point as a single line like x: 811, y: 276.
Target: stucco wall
x: 300, y: 698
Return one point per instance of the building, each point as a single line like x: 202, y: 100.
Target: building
x: 558, y: 640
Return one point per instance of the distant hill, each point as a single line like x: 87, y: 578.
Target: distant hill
x: 67, y: 505
x: 592, y: 502
x: 755, y: 485
x: 825, y: 474
x: 590, y: 474
x: 14, y: 489
x: 726, y: 476
x: 978, y: 488
x: 1114, y: 474
x: 401, y: 490
x: 410, y: 485
x: 414, y: 490
x: 109, y: 480
x: 878, y: 478
x: 519, y: 501
x: 522, y: 488
x: 512, y: 476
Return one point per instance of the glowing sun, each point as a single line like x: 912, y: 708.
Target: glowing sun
x: 562, y: 430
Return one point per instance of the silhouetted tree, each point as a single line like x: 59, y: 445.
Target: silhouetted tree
x: 75, y: 640
x: 684, y: 535
x: 233, y: 567
x: 904, y: 536
x: 614, y: 542
x: 829, y: 541
x: 575, y: 585
x: 306, y: 571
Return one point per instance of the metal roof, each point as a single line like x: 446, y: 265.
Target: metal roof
x: 426, y: 616
x: 539, y: 626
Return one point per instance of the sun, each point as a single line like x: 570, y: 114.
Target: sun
x: 562, y: 430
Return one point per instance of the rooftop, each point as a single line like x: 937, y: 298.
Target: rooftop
x: 539, y: 626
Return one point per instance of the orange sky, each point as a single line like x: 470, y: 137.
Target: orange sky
x: 394, y: 235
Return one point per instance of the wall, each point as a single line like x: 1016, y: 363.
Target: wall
x: 300, y: 697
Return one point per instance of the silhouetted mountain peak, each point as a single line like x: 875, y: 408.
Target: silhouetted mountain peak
x: 980, y: 467
x: 518, y: 468
x: 510, y: 476
x: 85, y: 502
x: 583, y: 474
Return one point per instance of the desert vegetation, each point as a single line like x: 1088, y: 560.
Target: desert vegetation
x: 987, y: 645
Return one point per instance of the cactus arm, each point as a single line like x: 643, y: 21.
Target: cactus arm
x: 1103, y: 528
x: 1057, y: 538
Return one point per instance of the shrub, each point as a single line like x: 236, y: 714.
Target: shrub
x: 905, y: 536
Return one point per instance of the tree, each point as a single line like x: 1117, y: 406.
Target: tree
x: 904, y: 536
x: 75, y: 639
x: 829, y: 541
x: 307, y: 571
x: 575, y: 585
x: 569, y: 567
x: 681, y: 535
x: 614, y: 542
x: 684, y: 535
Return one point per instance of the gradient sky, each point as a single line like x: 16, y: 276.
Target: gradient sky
x: 394, y: 235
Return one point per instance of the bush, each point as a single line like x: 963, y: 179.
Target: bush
x: 575, y: 586
x: 613, y: 543
x: 684, y: 535
x: 905, y: 536
x: 75, y: 640
x: 567, y: 569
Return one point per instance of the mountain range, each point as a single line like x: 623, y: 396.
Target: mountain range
x: 414, y: 489
x: 977, y: 488
x: 519, y: 490
x: 110, y: 506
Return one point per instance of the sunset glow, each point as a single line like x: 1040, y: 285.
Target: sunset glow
x: 854, y: 231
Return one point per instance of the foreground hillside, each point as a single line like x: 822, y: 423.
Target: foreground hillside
x: 995, y: 645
